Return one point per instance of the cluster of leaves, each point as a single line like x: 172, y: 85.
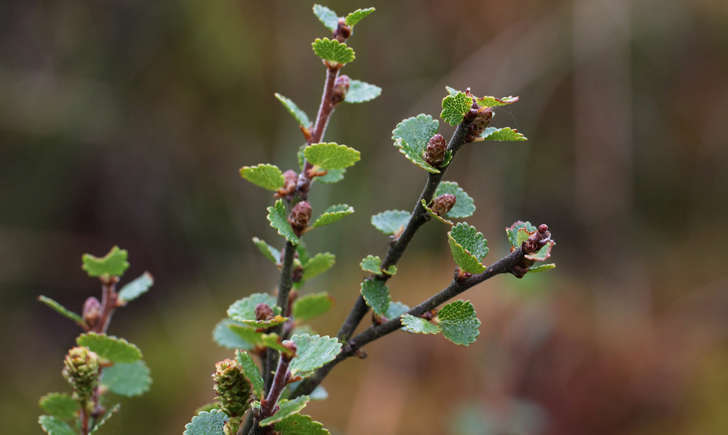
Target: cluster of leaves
x: 121, y: 369
x: 255, y: 324
x: 258, y: 326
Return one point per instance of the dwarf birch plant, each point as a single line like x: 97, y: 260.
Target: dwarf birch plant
x: 100, y: 364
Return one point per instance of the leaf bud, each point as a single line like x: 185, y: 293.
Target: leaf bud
x: 231, y: 386
x: 291, y: 347
x: 343, y: 31
x: 299, y: 217
x: 478, y: 120
x: 263, y: 311
x: 91, y: 312
x: 81, y: 370
x: 443, y: 204
x: 290, y: 178
x: 341, y: 88
x: 435, y: 151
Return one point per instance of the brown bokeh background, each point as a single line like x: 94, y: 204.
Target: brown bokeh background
x: 126, y: 122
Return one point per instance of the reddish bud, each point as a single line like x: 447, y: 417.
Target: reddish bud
x: 289, y: 185
x: 477, y: 121
x: 291, y: 347
x: 263, y: 311
x: 299, y: 217
x: 443, y: 204
x: 91, y: 312
x: 435, y: 151
x: 342, y: 32
x: 297, y: 274
x: 341, y: 88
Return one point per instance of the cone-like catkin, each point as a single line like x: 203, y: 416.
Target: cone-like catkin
x: 232, y: 387
x: 81, y: 370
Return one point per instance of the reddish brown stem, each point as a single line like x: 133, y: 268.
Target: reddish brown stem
x: 109, y: 302
x: 319, y: 129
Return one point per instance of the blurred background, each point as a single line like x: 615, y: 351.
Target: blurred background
x: 126, y: 123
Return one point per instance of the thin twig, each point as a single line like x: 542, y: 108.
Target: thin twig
x: 456, y: 287
x: 417, y: 219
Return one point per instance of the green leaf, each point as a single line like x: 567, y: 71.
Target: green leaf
x: 332, y: 176
x: 451, y: 91
x: 519, y: 232
x: 543, y: 254
x: 302, y: 253
x: 293, y: 109
x: 243, y: 310
x: 411, y: 136
x: 435, y: 215
x: 391, y: 221
x: 376, y: 295
x: 459, y: 323
x: 333, y: 51
x: 273, y: 341
x: 286, y: 408
x: 505, y: 134
x: 59, y: 405
x: 278, y: 219
x: 112, y: 264
x: 542, y: 267
x: 60, y: 309
x: 468, y: 247
x: 418, y: 325
x: 360, y: 92
x: 267, y: 250
x: 299, y: 424
x: 496, y: 102
x: 354, y: 17
x: 318, y: 264
x: 311, y: 306
x: 454, y: 108
x: 207, y: 423
x: 333, y: 214
x: 208, y: 407
x: 137, y: 287
x: 127, y: 379
x: 396, y: 309
x: 464, y: 204
x: 264, y: 175
x: 331, y: 155
x: 313, y: 351
x: 373, y: 264
x: 327, y: 17
x: 251, y: 371
x: 110, y: 413
x: 225, y: 337
x: 55, y: 426
x: 109, y: 347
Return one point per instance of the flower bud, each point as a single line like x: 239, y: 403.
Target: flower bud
x: 81, y: 370
x: 341, y: 88
x: 443, y: 204
x: 435, y: 151
x: 232, y: 387
x: 91, y: 312
x: 297, y: 274
x: 299, y: 217
x: 263, y: 312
